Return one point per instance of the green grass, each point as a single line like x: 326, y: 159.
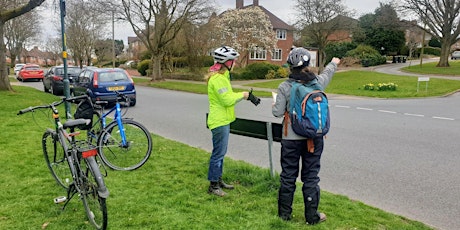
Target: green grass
x: 430, y: 68
x: 168, y: 192
x: 191, y: 87
x: 352, y: 82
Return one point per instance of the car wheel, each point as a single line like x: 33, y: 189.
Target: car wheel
x: 45, y: 89
x: 53, y: 90
x: 133, y: 102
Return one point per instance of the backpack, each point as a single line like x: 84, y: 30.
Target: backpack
x: 84, y: 110
x: 309, y: 109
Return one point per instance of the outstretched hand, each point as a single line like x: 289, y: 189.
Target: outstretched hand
x: 255, y: 100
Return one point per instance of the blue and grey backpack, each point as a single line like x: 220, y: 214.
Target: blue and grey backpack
x: 309, y: 109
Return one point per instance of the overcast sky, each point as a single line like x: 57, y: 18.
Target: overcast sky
x: 284, y: 9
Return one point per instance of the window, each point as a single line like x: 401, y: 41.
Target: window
x: 277, y: 54
x: 258, y: 54
x: 281, y: 34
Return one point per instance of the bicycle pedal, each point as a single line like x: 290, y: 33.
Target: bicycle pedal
x: 60, y: 200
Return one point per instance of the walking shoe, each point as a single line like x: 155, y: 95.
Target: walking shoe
x: 215, y: 189
x: 222, y: 184
x: 322, y: 217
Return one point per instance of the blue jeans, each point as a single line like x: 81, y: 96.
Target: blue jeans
x: 219, y: 149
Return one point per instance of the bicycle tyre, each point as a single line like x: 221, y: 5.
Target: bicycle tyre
x: 56, y: 159
x: 93, y: 202
x: 130, y: 157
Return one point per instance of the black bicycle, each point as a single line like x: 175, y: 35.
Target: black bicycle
x: 74, y: 165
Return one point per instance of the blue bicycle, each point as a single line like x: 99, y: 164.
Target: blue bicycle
x: 123, y: 144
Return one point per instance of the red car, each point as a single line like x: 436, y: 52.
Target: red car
x: 30, y: 71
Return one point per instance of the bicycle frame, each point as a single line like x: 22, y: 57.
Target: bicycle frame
x: 117, y: 118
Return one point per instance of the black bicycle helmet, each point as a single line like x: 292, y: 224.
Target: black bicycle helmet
x: 299, y: 57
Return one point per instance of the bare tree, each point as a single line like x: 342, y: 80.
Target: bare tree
x: 53, y: 47
x: 9, y: 10
x: 442, y: 18
x: 237, y: 28
x: 157, y: 23
x: 19, y: 31
x: 316, y: 21
x: 84, y: 26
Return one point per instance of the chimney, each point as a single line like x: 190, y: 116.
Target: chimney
x: 239, y: 4
x: 255, y: 3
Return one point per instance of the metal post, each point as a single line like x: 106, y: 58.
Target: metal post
x: 113, y: 39
x: 270, y: 144
x: 64, y: 58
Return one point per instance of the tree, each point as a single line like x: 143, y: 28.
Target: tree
x: 238, y: 29
x: 84, y: 26
x: 317, y: 24
x: 8, y: 11
x: 442, y: 19
x: 19, y: 31
x: 157, y: 23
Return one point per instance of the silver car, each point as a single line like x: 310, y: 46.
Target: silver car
x: 455, y: 55
x: 18, y: 67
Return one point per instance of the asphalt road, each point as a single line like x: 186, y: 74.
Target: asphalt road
x: 398, y: 155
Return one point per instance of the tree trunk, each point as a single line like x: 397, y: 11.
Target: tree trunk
x: 4, y: 80
x: 444, y: 58
x: 156, y: 71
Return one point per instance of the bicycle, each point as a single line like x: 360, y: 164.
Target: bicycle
x: 123, y: 144
x: 73, y: 164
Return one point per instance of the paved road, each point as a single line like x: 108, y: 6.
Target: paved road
x: 398, y: 155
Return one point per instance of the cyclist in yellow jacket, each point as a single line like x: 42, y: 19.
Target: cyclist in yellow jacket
x: 222, y: 102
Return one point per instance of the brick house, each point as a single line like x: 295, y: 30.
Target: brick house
x: 284, y: 34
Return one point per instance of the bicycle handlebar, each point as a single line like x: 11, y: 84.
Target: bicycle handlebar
x: 53, y: 104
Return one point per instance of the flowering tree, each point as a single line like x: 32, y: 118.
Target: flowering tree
x: 245, y: 30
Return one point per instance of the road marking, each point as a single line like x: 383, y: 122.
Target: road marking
x: 414, y: 115
x: 343, y: 106
x: 361, y: 108
x: 386, y: 111
x: 444, y: 118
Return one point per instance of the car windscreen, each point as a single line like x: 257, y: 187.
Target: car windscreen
x: 112, y: 76
x: 71, y: 71
x: 31, y: 68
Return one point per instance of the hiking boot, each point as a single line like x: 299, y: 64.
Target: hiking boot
x: 222, y: 184
x: 215, y: 189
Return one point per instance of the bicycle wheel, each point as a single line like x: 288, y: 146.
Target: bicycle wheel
x: 96, y: 128
x: 56, y: 159
x: 125, y: 157
x: 94, y: 203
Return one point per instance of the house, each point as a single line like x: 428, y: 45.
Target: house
x: 284, y: 34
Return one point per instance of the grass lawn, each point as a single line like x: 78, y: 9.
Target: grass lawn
x: 430, y: 68
x: 168, y: 192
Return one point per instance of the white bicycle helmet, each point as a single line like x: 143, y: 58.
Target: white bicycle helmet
x: 299, y: 57
x: 224, y: 53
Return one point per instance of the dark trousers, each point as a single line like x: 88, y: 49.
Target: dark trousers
x: 292, y: 153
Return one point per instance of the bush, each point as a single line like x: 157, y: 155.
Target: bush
x: 258, y: 70
x: 368, y: 55
x: 143, y: 66
x: 338, y: 49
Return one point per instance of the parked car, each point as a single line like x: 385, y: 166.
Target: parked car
x: 101, y: 83
x: 30, y: 71
x: 17, y: 67
x: 455, y: 55
x: 53, y: 82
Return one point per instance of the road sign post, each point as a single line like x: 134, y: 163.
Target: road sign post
x: 423, y: 79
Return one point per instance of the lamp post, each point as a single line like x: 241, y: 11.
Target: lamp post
x: 113, y: 39
x: 64, y: 59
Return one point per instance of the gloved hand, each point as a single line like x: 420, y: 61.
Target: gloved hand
x: 255, y: 100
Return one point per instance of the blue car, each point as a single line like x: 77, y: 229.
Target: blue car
x: 101, y: 84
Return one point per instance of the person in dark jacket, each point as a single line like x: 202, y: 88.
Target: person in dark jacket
x: 294, y: 147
